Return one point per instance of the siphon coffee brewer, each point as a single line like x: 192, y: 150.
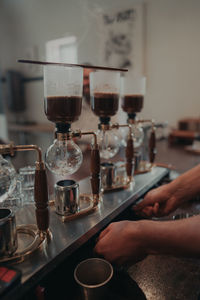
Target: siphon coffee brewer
x: 63, y: 86
x: 132, y: 102
x: 105, y: 95
x: 39, y: 233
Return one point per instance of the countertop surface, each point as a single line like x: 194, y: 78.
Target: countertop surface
x: 165, y: 277
x: 71, y: 235
x: 159, y: 277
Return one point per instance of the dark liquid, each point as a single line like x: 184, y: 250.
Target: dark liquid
x: 63, y: 108
x: 132, y: 103
x: 105, y: 105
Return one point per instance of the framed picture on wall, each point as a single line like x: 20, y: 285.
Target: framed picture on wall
x: 122, y: 38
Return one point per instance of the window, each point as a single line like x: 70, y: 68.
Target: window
x: 62, y: 50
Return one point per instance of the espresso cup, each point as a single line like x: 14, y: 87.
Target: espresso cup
x: 93, y: 275
x: 108, y: 174
x: 138, y: 158
x: 8, y: 232
x: 66, y: 197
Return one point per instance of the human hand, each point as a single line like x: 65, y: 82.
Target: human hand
x: 121, y: 242
x: 157, y: 202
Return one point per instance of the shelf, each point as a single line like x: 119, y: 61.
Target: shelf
x: 37, y: 127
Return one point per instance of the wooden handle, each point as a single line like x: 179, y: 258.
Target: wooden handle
x: 129, y: 157
x: 152, y: 147
x: 41, y: 200
x: 95, y: 171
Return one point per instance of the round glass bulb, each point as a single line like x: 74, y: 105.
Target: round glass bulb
x: 7, y: 178
x: 63, y: 157
x: 138, y: 135
x: 108, y: 143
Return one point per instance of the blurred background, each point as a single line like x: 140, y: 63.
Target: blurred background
x: 159, y: 38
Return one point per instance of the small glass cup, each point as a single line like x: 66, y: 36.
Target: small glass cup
x: 27, y: 186
x: 14, y: 200
x: 7, y: 179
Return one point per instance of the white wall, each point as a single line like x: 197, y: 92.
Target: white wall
x: 173, y: 64
x: 172, y: 47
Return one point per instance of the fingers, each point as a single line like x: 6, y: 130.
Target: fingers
x: 103, y: 233
x: 150, y: 211
x: 147, y: 201
x: 99, y: 239
x: 147, y: 211
x: 156, y: 208
x: 98, y: 248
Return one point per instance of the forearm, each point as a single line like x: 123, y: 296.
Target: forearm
x: 181, y: 237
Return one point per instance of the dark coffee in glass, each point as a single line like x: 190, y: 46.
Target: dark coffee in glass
x: 105, y: 104
x: 65, y: 109
x: 132, y: 103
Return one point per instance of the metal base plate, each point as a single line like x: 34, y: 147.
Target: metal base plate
x: 116, y: 187
x: 144, y: 167
x: 87, y: 206
x: 29, y: 241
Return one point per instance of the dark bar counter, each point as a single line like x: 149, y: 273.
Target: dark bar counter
x: 48, y: 273
x: 166, y: 277
x: 69, y: 237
